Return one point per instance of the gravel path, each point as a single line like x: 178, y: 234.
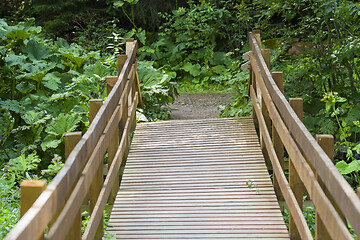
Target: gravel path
x: 199, y: 105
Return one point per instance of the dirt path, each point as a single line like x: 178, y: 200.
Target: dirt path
x: 199, y: 105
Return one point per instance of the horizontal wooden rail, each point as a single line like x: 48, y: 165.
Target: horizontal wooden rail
x: 311, y: 164
x: 61, y: 201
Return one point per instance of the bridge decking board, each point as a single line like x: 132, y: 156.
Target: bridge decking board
x: 189, y: 180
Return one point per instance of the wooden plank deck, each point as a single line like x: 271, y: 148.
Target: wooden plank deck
x: 189, y: 179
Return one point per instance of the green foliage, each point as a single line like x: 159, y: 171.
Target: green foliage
x: 9, y: 207
x: 44, y: 93
x: 309, y: 215
x: 55, y: 167
x: 346, y: 114
x: 157, y: 90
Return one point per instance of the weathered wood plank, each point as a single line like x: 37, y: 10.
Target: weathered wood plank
x: 201, y: 179
x: 340, y: 190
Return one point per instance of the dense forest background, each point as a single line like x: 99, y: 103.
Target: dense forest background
x: 55, y: 55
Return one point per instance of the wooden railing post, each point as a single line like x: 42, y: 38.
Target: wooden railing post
x: 253, y: 79
x: 121, y: 59
x: 294, y: 179
x: 30, y: 190
x: 278, y: 145
x: 114, y: 143
x: 96, y: 185
x: 71, y: 139
x: 266, y: 55
x: 129, y: 44
x: 326, y: 142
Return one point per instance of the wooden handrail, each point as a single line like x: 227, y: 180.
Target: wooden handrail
x: 306, y: 155
x: 69, y: 188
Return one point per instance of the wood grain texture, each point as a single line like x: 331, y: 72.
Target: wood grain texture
x: 340, y: 190
x: 321, y: 202
x: 203, y: 179
x: 35, y: 221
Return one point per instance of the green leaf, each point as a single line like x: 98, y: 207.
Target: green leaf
x: 341, y: 166
x: 354, y: 166
x: 6, y: 125
x: 219, y: 69
x: 345, y: 168
x: 141, y: 36
x: 78, y: 61
x: 328, y: 106
x: 25, y: 87
x: 50, y: 143
x: 52, y: 81
x: 35, y: 117
x: 219, y: 58
x: 15, y: 60
x: 23, y: 163
x: 193, y: 69
x: 118, y: 4
x: 35, y: 51
x: 63, y: 123
x: 11, y: 105
x: 357, y: 149
x: 17, y: 35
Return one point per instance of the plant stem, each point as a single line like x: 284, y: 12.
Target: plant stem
x: 338, y: 122
x: 7, y: 155
x: 128, y: 17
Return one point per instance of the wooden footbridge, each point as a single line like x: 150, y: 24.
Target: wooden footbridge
x: 193, y: 179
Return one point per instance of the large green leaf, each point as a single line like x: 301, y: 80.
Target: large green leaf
x: 63, y: 123
x: 35, y: 117
x: 35, y: 51
x: 17, y: 35
x: 25, y: 87
x: 15, y: 60
x: 52, y: 81
x: 50, y: 142
x: 345, y: 168
x: 11, y: 105
x: 193, y: 69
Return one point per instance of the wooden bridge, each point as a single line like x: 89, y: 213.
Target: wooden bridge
x: 193, y: 179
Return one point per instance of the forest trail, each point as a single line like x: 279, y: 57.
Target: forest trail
x: 199, y: 105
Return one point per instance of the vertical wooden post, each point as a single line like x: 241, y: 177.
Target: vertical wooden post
x: 113, y: 145
x: 121, y: 62
x: 294, y: 179
x: 326, y: 142
x: 257, y: 37
x: 96, y: 185
x: 266, y: 55
x: 253, y: 85
x: 278, y: 145
x: 140, y: 102
x: 30, y: 190
x: 128, y: 45
x: 253, y: 76
x: 71, y: 139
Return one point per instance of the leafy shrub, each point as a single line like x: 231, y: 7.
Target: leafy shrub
x: 44, y: 93
x: 157, y: 90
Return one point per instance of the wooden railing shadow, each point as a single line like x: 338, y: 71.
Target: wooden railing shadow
x: 311, y: 169
x: 81, y: 181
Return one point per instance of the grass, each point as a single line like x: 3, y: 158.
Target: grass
x: 190, y: 87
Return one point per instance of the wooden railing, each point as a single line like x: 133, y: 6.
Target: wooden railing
x: 311, y: 170
x: 81, y: 180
